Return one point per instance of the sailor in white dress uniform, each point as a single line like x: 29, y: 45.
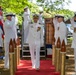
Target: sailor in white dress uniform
x: 26, y: 17
x: 1, y: 40
x: 55, y: 22
x: 73, y: 27
x: 41, y: 20
x: 10, y: 33
x: 35, y: 40
x: 61, y: 29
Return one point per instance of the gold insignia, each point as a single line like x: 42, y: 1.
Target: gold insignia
x: 38, y: 29
x: 58, y: 28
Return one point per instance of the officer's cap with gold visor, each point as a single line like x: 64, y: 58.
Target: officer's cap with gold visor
x: 35, y: 16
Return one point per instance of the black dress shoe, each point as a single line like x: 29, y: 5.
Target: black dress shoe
x: 38, y: 69
x: 67, y: 57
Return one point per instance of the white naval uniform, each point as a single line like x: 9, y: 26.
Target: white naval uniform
x: 26, y: 17
x: 35, y: 39
x: 10, y: 33
x: 55, y: 26
x: 41, y: 21
x: 61, y: 32
x: 1, y: 32
x: 1, y: 41
x: 74, y: 39
x: 15, y: 19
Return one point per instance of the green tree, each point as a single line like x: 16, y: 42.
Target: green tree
x: 17, y: 7
x: 50, y: 7
x: 53, y: 7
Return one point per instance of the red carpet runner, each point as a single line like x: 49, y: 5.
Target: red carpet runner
x: 46, y: 68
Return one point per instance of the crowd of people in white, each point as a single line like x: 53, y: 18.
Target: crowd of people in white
x: 33, y: 34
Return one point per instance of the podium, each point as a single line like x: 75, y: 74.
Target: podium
x: 49, y: 35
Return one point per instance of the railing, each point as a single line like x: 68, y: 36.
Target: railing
x: 59, y: 54
x: 14, y: 55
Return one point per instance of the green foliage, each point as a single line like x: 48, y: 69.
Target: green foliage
x: 67, y: 13
x: 17, y: 7
x: 53, y: 4
x: 53, y: 7
x: 50, y: 7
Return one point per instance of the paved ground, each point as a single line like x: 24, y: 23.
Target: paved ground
x: 70, y: 62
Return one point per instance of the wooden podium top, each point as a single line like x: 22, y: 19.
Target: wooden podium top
x: 49, y: 30
x: 48, y: 20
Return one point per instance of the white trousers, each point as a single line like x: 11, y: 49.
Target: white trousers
x: 6, y: 62
x: 26, y: 35
x: 35, y: 54
x: 75, y: 57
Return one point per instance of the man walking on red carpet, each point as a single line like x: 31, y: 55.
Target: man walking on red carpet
x: 35, y: 39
